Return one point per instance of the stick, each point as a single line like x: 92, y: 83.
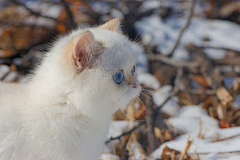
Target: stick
x: 150, y: 125
x: 169, y: 61
x: 183, y: 29
x: 126, y: 133
x: 70, y: 15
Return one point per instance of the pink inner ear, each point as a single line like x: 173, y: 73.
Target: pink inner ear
x: 85, y: 49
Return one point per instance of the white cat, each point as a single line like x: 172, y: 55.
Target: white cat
x: 65, y: 110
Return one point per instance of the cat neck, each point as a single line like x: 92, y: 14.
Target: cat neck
x: 65, y: 98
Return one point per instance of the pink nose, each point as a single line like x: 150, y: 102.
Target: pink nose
x: 135, y: 86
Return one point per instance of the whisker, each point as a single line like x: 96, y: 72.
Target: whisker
x: 140, y: 101
x: 131, y: 102
x: 136, y: 36
x: 131, y: 119
x: 146, y: 90
x: 147, y: 96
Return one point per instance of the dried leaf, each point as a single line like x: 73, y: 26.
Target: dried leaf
x: 223, y: 124
x: 130, y: 112
x: 186, y: 149
x: 140, y: 114
x: 224, y: 96
x: 166, y: 153
x: 201, y: 80
x: 220, y: 111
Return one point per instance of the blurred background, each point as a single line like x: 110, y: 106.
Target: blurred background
x: 188, y: 62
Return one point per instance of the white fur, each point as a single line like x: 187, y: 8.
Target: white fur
x: 62, y: 113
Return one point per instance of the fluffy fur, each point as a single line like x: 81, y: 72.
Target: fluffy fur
x: 65, y: 110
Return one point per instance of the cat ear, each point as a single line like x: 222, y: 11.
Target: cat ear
x: 85, y: 49
x: 112, y: 25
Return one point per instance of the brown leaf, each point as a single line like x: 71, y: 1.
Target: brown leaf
x: 166, y: 154
x: 200, y: 80
x: 140, y: 114
x: 224, y: 96
x: 223, y: 124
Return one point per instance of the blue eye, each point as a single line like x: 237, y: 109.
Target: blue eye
x: 118, y: 77
x: 133, y: 70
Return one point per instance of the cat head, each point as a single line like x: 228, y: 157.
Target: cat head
x: 98, y: 64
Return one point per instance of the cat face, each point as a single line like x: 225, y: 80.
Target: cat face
x: 104, y: 65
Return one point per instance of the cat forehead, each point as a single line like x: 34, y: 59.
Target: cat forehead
x: 119, y: 53
x: 110, y: 38
x: 106, y: 37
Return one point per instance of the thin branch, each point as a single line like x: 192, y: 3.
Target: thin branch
x: 192, y: 64
x: 183, y: 29
x: 150, y: 125
x: 70, y: 15
x: 36, y: 13
x: 196, y: 91
x: 218, y: 48
x: 228, y: 61
x: 126, y: 133
x: 169, y: 61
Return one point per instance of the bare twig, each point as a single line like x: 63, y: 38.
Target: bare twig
x: 186, y: 148
x: 197, y: 91
x: 125, y: 155
x: 218, y: 48
x: 126, y: 133
x: 192, y: 64
x: 166, y: 60
x: 183, y: 29
x: 150, y: 125
x: 224, y: 139
x: 70, y: 15
x: 228, y: 61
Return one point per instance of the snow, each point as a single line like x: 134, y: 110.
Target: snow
x: 215, y: 53
x: 100, y: 7
x: 4, y: 69
x: 165, y: 32
x: 45, y: 9
x: 235, y: 157
x: 189, y: 119
x: 148, y: 80
x: 109, y: 157
x: 116, y: 128
x: 149, y: 5
x: 215, y: 140
x: 160, y: 95
x: 137, y: 151
x: 10, y: 77
x: 116, y: 13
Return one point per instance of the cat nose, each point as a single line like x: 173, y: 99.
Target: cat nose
x: 135, y: 86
